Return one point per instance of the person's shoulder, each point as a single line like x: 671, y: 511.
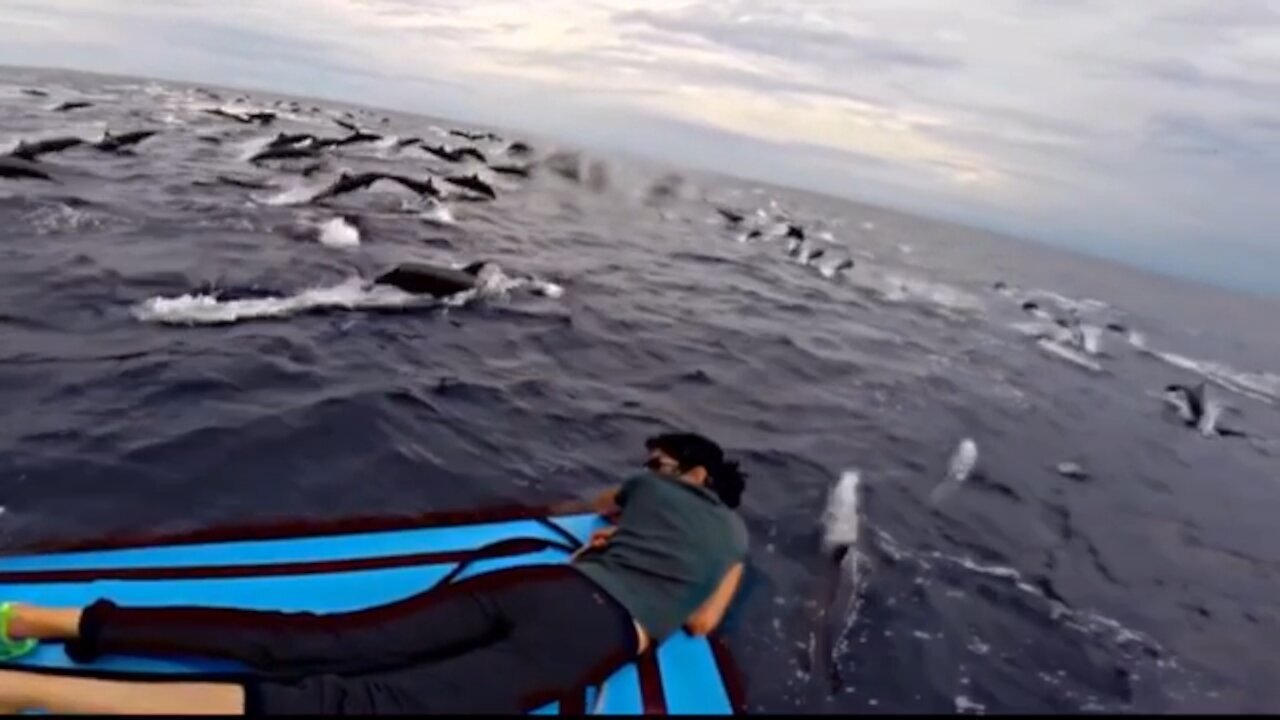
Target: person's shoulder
x: 641, y: 480
x: 638, y: 481
x: 738, y: 533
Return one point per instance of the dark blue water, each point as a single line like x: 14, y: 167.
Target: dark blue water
x: 176, y: 353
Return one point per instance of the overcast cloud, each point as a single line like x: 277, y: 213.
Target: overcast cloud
x: 1146, y: 131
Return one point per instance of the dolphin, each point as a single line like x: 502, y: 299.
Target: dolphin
x: 12, y: 168
x: 284, y: 152
x: 349, y: 183
x: 453, y: 155
x: 434, y: 280
x: 290, y: 139
x: 1197, y: 409
x: 116, y: 143
x: 474, y: 184
x: 260, y: 118
x: 73, y: 105
x: 474, y: 136
x: 732, y: 217
x: 513, y: 170
x: 33, y: 150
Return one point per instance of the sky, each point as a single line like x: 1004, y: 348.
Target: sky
x: 1146, y: 131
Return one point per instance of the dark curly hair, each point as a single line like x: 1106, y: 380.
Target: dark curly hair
x: 690, y: 450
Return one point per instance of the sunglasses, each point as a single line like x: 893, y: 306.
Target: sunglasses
x: 659, y: 464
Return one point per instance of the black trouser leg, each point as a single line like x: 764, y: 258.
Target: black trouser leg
x: 437, y: 623
x: 561, y: 634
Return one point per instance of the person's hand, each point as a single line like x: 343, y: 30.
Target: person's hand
x: 597, y: 542
x: 600, y: 537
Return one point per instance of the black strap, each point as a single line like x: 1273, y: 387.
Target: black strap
x: 558, y: 529
x: 463, y: 565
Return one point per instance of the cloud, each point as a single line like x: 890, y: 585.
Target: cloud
x: 1123, y: 126
x: 1220, y: 16
x: 1183, y: 72
x: 833, y: 48
x: 1240, y: 142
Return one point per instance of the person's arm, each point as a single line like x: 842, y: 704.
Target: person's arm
x: 603, y: 504
x: 708, y: 617
x: 598, y: 540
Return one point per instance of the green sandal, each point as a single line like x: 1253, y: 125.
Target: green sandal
x: 11, y: 649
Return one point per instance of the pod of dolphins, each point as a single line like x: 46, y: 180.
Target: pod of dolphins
x: 24, y: 163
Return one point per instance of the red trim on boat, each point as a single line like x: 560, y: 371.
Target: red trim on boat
x: 505, y: 548
x: 575, y: 704
x: 652, y: 697
x: 730, y: 674
x: 287, y: 529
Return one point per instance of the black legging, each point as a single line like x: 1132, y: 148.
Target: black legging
x: 503, y: 642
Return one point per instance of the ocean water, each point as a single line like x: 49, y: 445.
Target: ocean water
x: 178, y: 351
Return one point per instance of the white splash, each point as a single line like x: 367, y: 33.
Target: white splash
x: 1090, y: 338
x: 438, y: 213
x: 493, y: 284
x: 963, y: 461
x: 1062, y: 351
x: 546, y: 288
x: 959, y: 468
x: 1071, y: 470
x: 837, y: 268
x: 995, y: 571
x: 1180, y: 405
x: 1040, y: 313
x: 840, y: 518
x: 339, y: 233
x: 252, y: 147
x: 966, y: 706
x: 1208, y: 425
x: 1071, y: 304
x: 298, y: 195
x: 1264, y: 387
x: 201, y: 309
x: 61, y: 217
x: 900, y: 288
x: 1211, y: 409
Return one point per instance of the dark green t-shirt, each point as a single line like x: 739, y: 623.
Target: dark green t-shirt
x: 673, y: 546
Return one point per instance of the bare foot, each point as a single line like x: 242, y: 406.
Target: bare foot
x: 19, y: 626
x: 32, y: 621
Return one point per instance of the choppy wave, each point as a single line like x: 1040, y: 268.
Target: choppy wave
x: 1059, y: 350
x: 354, y: 293
x: 1261, y: 386
x: 439, y: 214
x: 208, y: 309
x: 1136, y: 643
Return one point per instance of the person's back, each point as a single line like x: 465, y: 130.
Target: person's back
x: 674, y: 543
